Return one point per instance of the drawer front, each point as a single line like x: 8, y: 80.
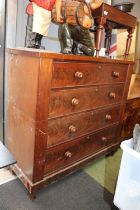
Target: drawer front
x: 69, y: 127
x: 67, y: 153
x: 72, y: 74
x: 73, y: 100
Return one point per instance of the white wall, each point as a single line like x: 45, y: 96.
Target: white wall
x: 136, y: 9
x: 11, y: 23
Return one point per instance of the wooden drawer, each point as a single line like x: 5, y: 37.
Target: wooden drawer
x: 67, y: 128
x: 73, y: 74
x: 75, y: 100
x: 67, y: 153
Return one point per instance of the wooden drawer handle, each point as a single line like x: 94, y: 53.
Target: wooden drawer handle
x: 112, y: 95
x: 75, y: 101
x: 88, y: 137
x: 104, y: 139
x: 79, y: 75
x: 108, y: 117
x: 115, y: 74
x: 72, y: 129
x: 68, y: 154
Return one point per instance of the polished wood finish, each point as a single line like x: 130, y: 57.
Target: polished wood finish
x: 76, y: 100
x: 59, y: 130
x: 131, y: 117
x: 67, y: 153
x: 109, y: 17
x: 63, y: 111
x: 79, y: 74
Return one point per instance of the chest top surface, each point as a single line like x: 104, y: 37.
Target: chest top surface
x: 63, y: 57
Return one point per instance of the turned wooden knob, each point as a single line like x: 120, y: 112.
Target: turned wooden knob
x: 88, y: 137
x: 112, y: 95
x: 108, y: 117
x: 74, y: 101
x: 68, y: 154
x: 115, y: 74
x: 79, y: 75
x: 104, y: 139
x: 72, y: 129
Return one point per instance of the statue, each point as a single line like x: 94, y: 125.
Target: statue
x: 38, y: 21
x: 73, y: 32
x: 74, y: 36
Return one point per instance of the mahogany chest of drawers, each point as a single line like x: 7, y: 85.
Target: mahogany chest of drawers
x: 63, y: 111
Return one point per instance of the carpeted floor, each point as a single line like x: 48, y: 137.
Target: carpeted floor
x: 78, y: 191
x: 105, y: 170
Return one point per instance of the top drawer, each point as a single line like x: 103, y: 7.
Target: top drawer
x: 76, y: 74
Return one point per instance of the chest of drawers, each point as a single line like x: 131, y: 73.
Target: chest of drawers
x: 63, y: 111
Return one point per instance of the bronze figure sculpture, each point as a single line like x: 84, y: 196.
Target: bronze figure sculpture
x: 73, y: 32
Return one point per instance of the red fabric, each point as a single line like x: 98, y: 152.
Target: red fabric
x: 29, y: 9
x: 46, y: 4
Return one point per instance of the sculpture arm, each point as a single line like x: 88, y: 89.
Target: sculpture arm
x: 58, y: 5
